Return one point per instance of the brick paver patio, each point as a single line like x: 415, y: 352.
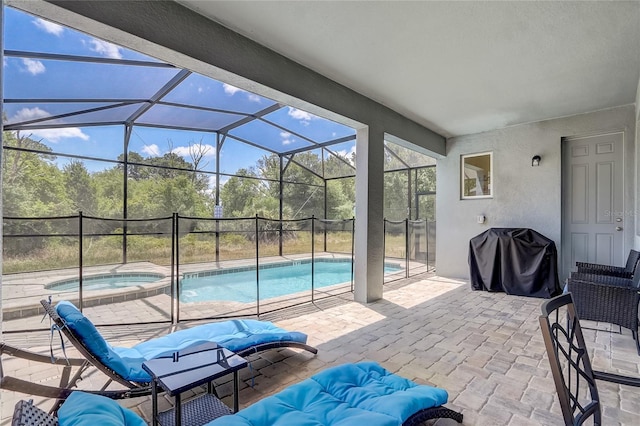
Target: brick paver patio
x: 485, y: 349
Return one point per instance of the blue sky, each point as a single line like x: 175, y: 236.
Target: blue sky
x: 34, y: 78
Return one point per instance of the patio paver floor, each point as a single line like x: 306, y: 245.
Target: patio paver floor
x: 484, y: 348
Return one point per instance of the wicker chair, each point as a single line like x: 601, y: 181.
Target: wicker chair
x: 617, y: 271
x: 607, y: 299
x: 570, y: 364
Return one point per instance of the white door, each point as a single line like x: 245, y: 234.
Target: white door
x: 593, y: 216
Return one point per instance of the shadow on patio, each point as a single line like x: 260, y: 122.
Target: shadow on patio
x: 485, y: 349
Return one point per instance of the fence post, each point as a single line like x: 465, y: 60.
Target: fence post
x: 176, y: 296
x: 174, y: 284
x: 313, y: 260
x: 80, y: 263
x: 426, y: 233
x: 406, y: 246
x: 384, y: 245
x: 257, y: 268
x: 125, y: 230
x: 217, y: 241
x: 353, y: 260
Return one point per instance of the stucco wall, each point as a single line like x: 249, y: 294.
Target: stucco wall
x: 524, y: 196
x: 637, y: 172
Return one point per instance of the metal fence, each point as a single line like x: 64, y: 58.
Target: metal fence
x: 182, y: 268
x: 412, y: 244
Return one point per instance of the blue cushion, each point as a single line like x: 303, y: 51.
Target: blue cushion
x: 235, y: 335
x: 351, y: 394
x: 127, y: 365
x: 84, y: 409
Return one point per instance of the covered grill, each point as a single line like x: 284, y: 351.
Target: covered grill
x: 517, y: 261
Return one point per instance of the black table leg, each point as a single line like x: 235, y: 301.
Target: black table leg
x: 178, y: 410
x: 154, y: 403
x: 235, y: 391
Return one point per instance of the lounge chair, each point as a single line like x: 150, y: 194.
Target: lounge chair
x: 124, y: 365
x: 606, y: 298
x: 65, y: 384
x: 626, y: 271
x: 351, y: 394
x: 574, y: 378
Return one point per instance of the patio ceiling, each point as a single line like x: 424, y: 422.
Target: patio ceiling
x: 457, y: 67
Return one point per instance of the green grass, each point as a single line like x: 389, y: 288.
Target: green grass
x: 193, y: 248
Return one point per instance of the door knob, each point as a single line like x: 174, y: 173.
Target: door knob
x: 618, y: 228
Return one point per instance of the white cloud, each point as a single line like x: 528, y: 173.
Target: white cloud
x: 286, y: 138
x: 347, y: 154
x: 48, y: 27
x: 28, y: 114
x: 200, y: 89
x: 232, y: 90
x: 52, y: 135
x: 303, y: 116
x: 211, y: 185
x: 152, y: 150
x: 185, y: 151
x: 33, y: 67
x: 105, y: 48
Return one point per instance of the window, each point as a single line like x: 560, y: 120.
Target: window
x: 476, y: 175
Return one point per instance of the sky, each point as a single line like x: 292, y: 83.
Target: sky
x: 32, y: 79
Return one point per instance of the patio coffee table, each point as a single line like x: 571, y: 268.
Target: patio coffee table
x: 186, y: 369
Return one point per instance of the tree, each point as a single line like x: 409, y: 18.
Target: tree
x: 238, y: 193
x: 80, y: 188
x: 341, y: 193
x: 109, y: 187
x: 304, y: 191
x: 197, y: 153
x: 395, y: 195
x: 161, y: 185
x: 32, y: 183
x: 32, y: 187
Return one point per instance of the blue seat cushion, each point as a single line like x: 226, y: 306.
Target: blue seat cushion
x: 235, y: 335
x: 351, y: 394
x: 84, y: 409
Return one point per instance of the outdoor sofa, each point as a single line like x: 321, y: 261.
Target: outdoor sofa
x: 124, y: 365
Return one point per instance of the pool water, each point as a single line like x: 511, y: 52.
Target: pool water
x: 275, y: 280
x: 105, y: 282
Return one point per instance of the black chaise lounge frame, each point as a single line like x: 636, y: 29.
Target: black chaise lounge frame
x: 68, y: 382
x: 440, y: 412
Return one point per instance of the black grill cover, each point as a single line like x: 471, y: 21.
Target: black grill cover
x: 518, y: 261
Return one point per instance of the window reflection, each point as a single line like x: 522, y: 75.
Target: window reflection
x: 477, y: 172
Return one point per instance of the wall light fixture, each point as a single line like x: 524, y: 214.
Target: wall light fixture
x: 535, y: 161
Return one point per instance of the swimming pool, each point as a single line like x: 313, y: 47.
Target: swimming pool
x: 111, y: 281
x: 279, y: 279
